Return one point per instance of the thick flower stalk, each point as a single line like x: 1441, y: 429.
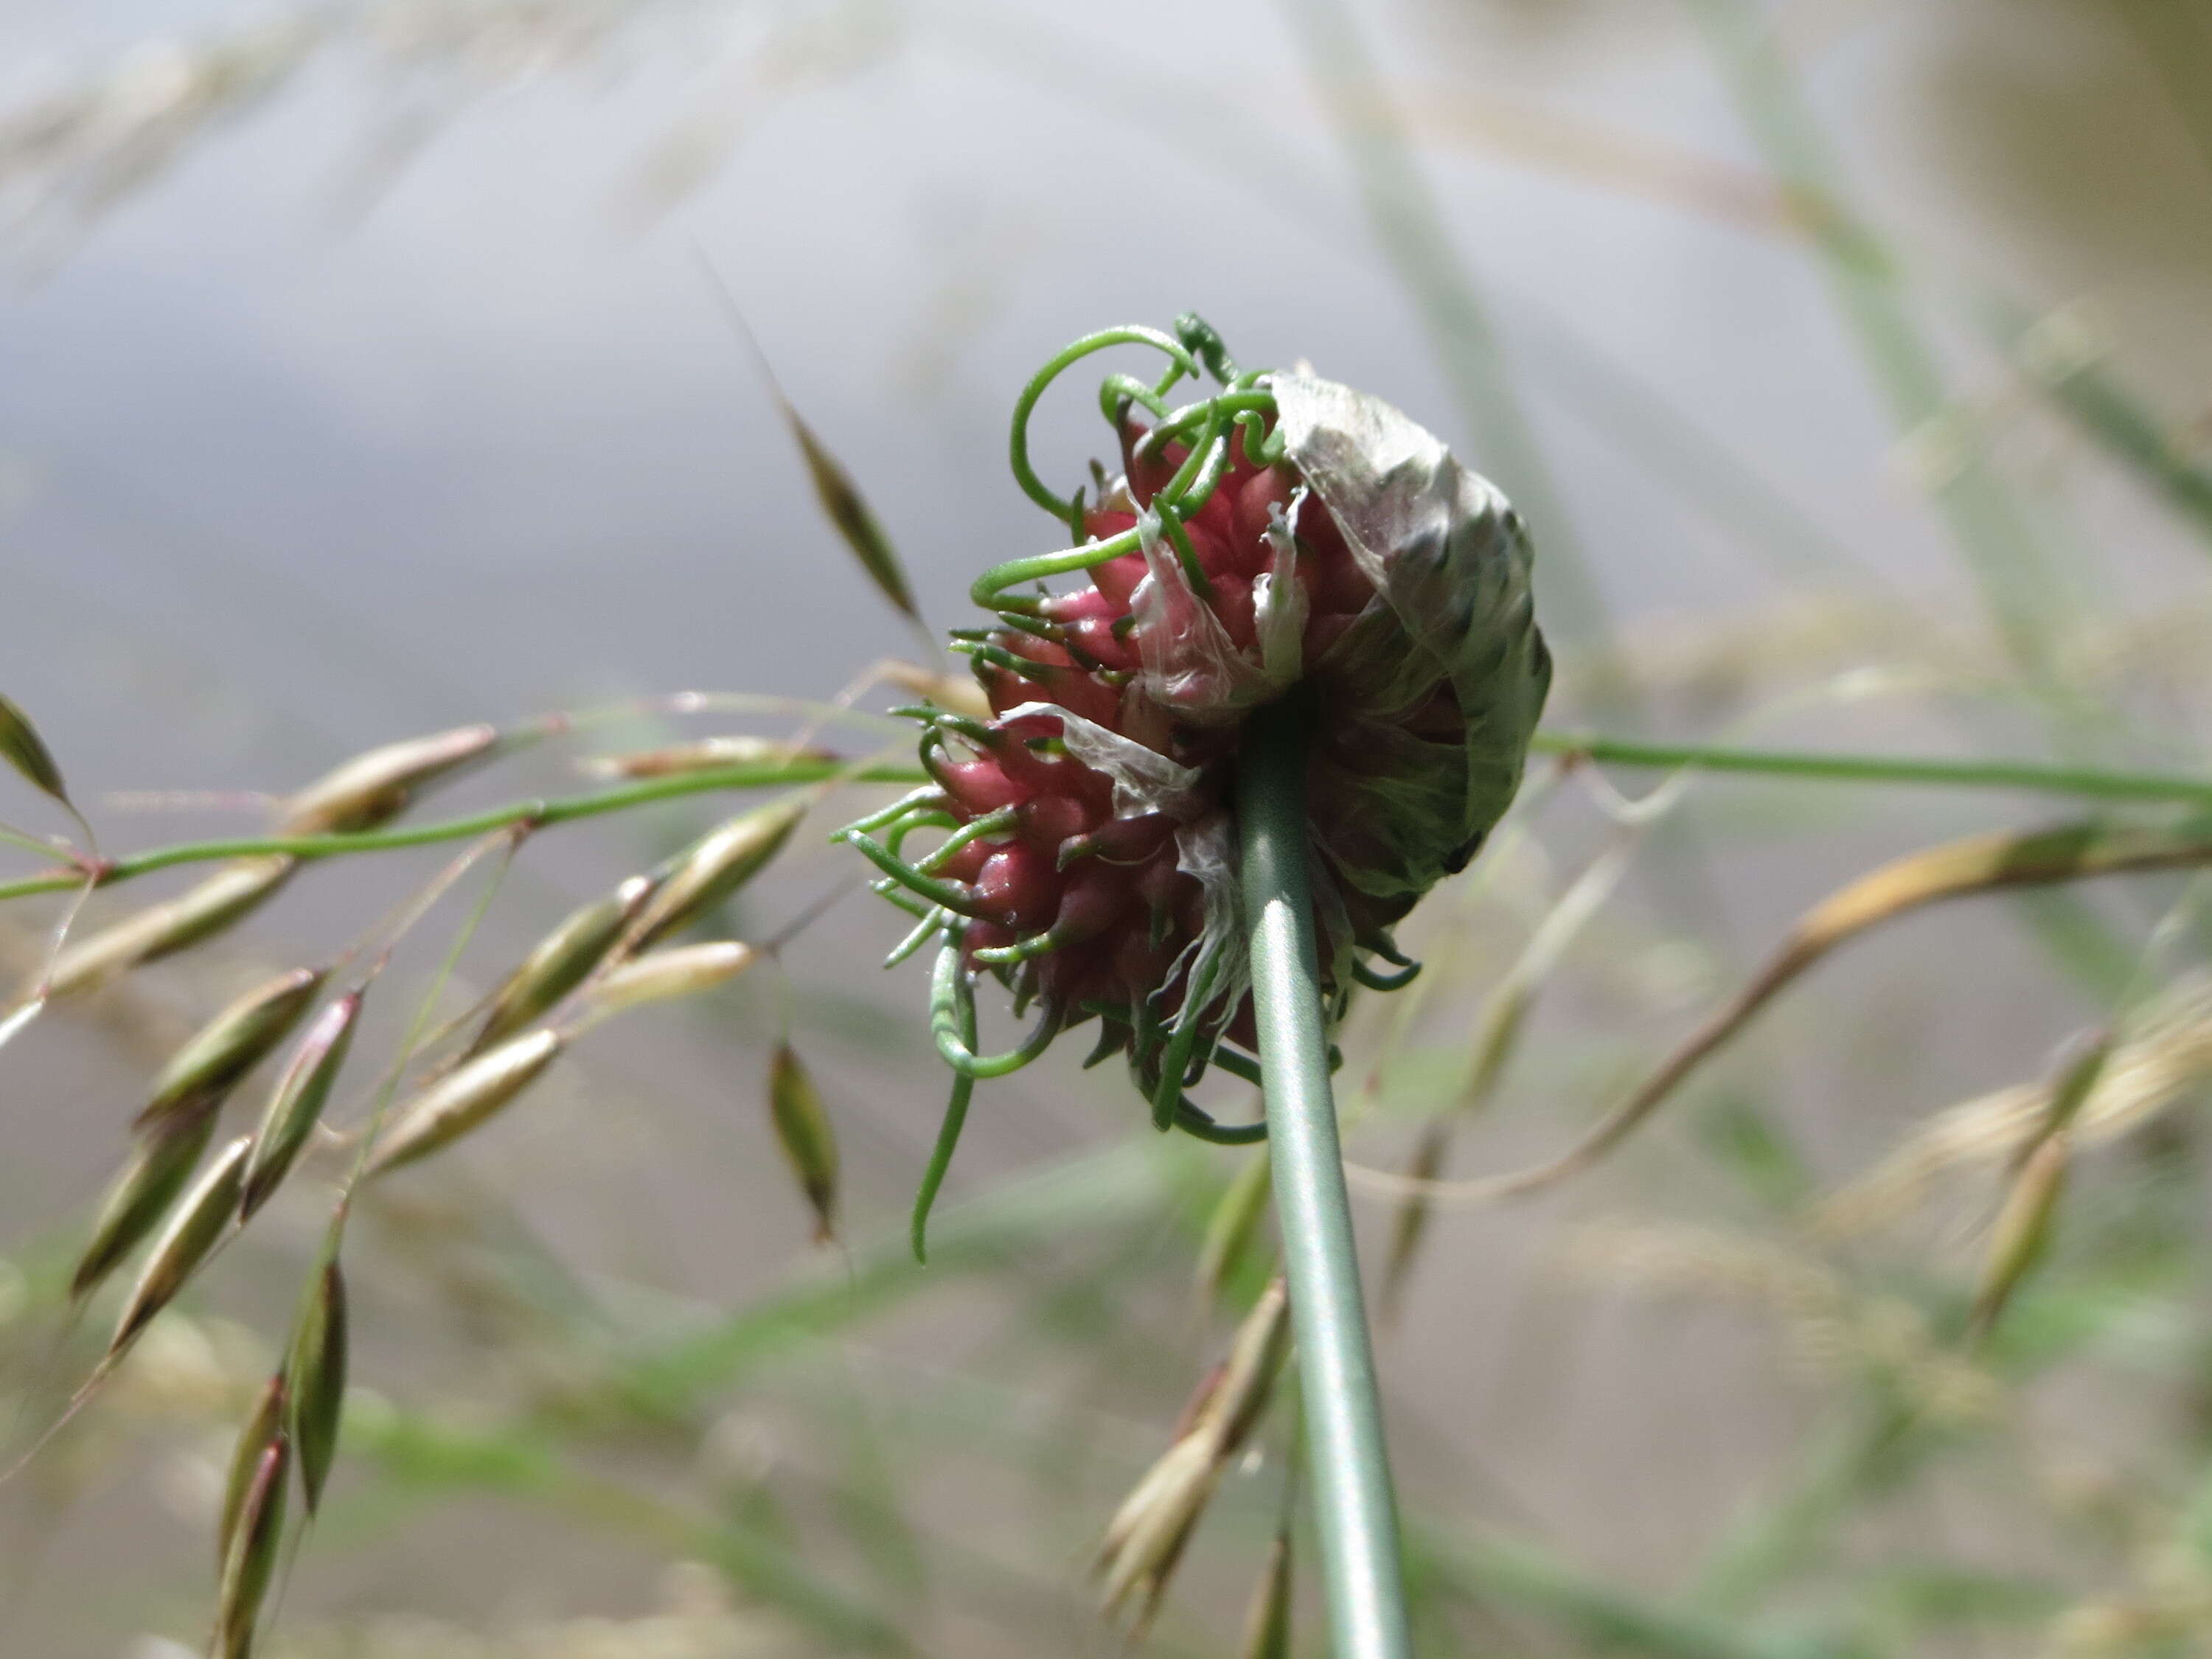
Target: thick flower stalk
x: 1282, y: 539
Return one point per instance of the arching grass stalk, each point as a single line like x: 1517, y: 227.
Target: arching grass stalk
x: 1357, y: 1518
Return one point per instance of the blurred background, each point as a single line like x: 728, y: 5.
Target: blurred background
x: 359, y: 377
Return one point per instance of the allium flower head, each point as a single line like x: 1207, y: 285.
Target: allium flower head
x: 1283, y: 537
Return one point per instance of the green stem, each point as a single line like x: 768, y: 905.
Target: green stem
x: 2034, y: 776
x: 1357, y: 1518
x: 537, y: 813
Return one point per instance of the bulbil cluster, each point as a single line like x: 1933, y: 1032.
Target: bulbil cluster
x: 1285, y: 538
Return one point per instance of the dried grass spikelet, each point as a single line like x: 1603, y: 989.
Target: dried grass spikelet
x: 2021, y: 1234
x: 202, y: 1217
x: 216, y: 1059
x: 706, y: 755
x: 679, y: 970
x: 377, y: 785
x: 714, y: 866
x: 1146, y: 1538
x: 221, y: 902
x: 295, y: 1104
x: 1830, y: 1323
x: 2168, y: 1052
x: 561, y: 962
x: 445, y: 1111
x: 803, y: 1130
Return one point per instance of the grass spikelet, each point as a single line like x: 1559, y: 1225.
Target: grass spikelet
x: 457, y: 1103
x: 260, y: 1430
x: 374, y: 786
x: 2167, y: 1053
x: 803, y: 1130
x: 842, y: 504
x: 1146, y: 1538
x: 251, y: 1561
x: 201, y: 1218
x: 159, y: 1166
x: 22, y: 748
x: 1226, y: 1245
x: 682, y: 970
x: 705, y: 755
x: 296, y: 1102
x: 1830, y: 1323
x: 716, y: 866
x: 1268, y: 1625
x: 561, y: 962
x: 315, y: 1378
x: 219, y: 902
x: 2022, y: 1232
x: 206, y: 1069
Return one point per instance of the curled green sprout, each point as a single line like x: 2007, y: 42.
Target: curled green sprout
x: 1210, y: 425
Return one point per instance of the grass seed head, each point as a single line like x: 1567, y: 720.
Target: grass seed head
x: 221, y: 902
x: 219, y: 1056
x: 296, y: 1103
x: 22, y: 748
x: 374, y: 786
x: 2023, y: 1229
x: 1268, y: 1625
x: 561, y: 962
x: 804, y: 1131
x: 260, y: 1430
x: 251, y: 1561
x: 159, y: 1168
x: 315, y: 1378
x: 716, y: 866
x: 448, y: 1108
x: 1146, y: 1538
x: 201, y: 1217
x: 1232, y: 1227
x: 681, y: 970
x: 706, y: 755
